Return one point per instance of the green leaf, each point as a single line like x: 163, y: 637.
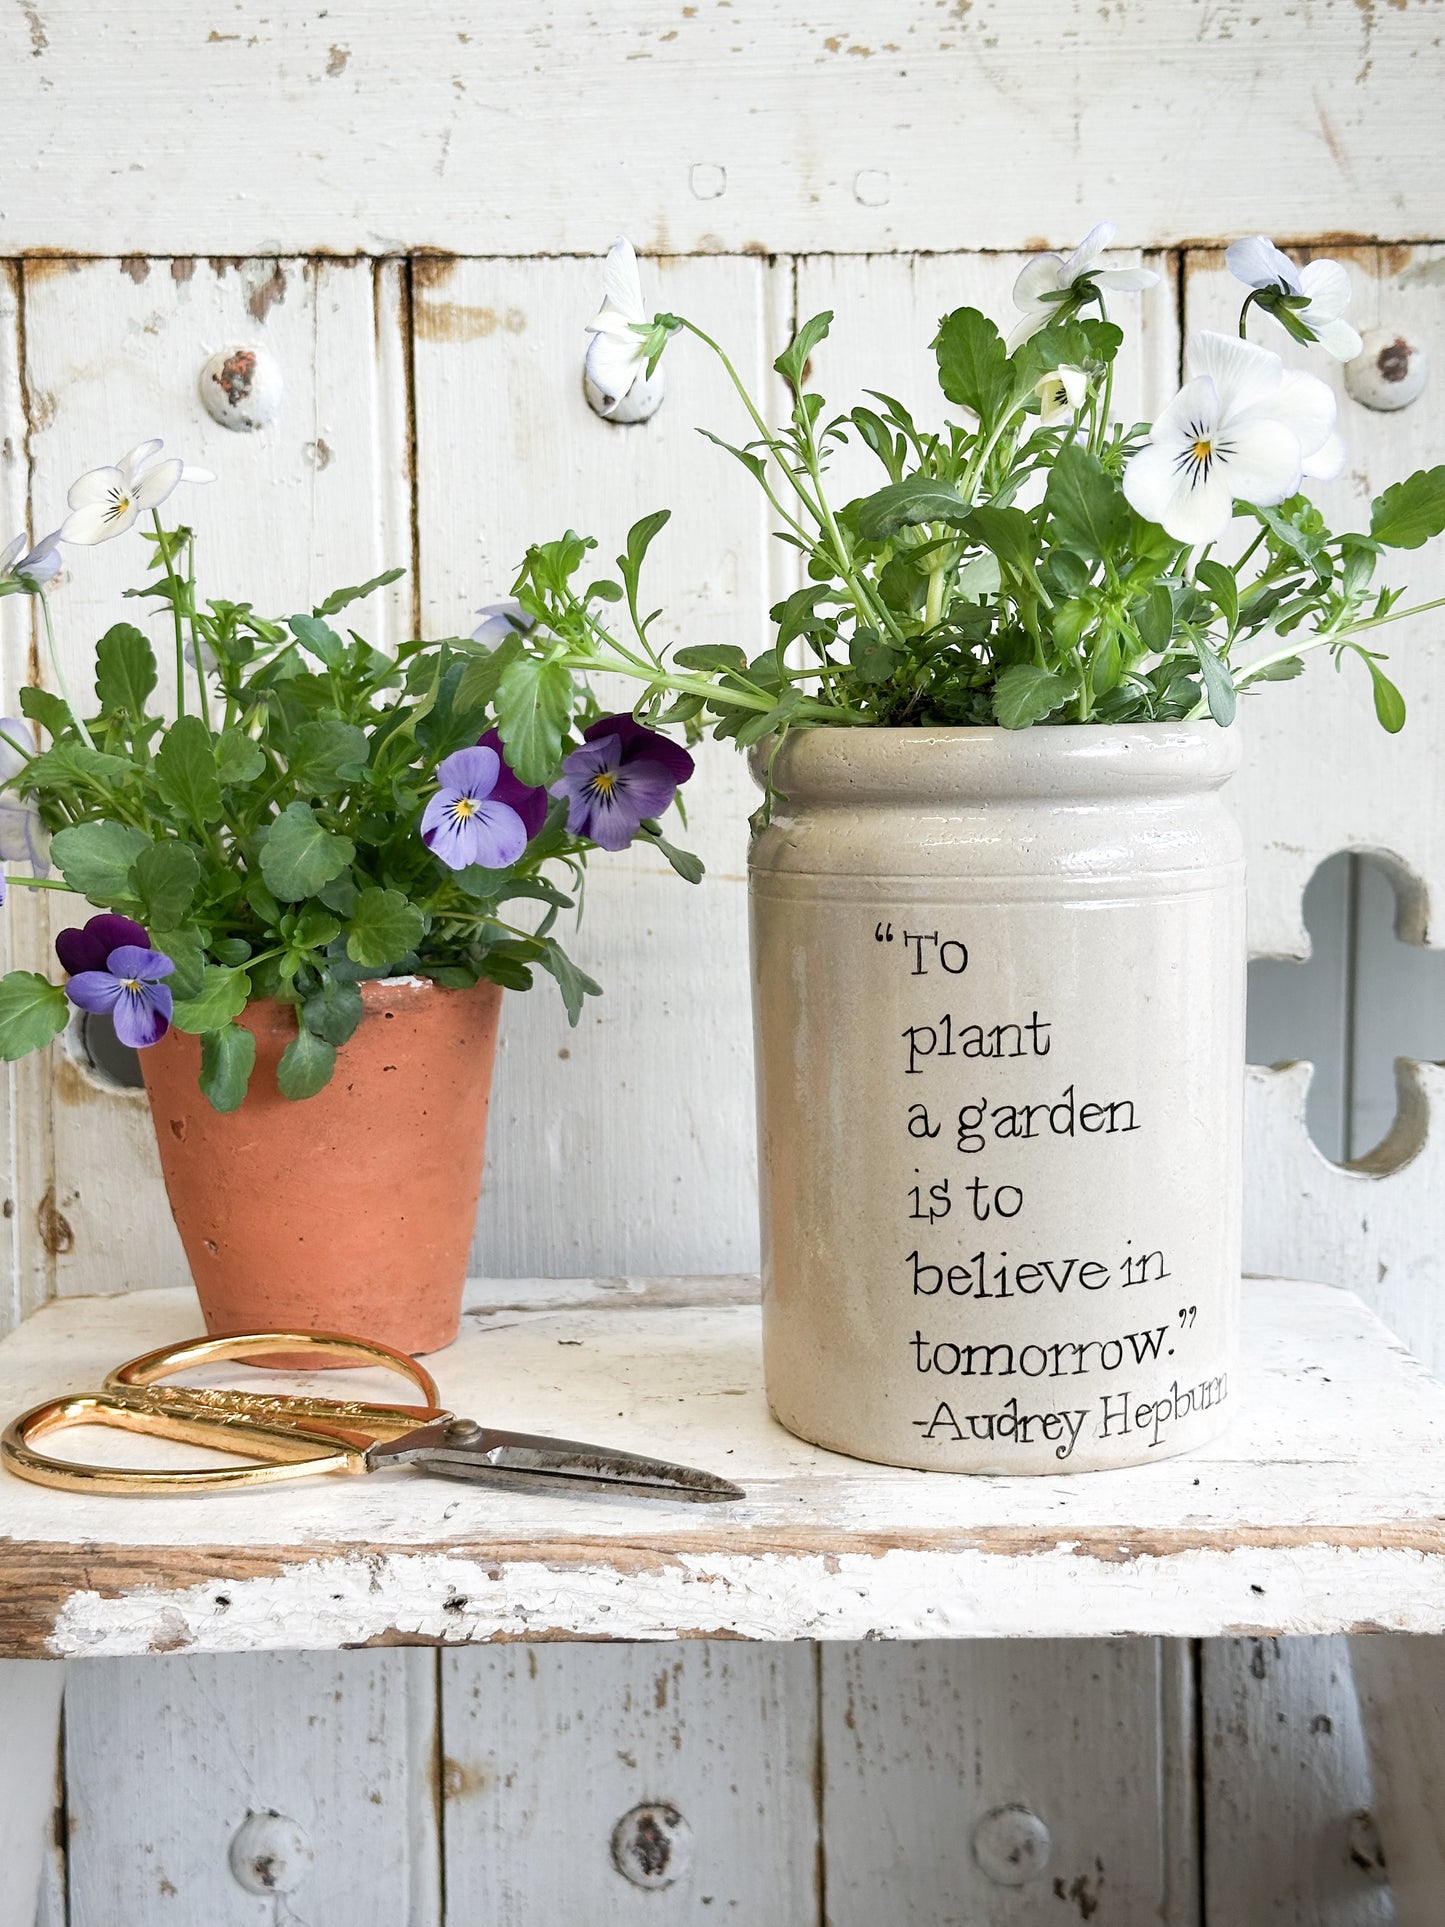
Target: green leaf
x: 477, y: 685
x: 306, y: 1065
x: 165, y: 878
x: 230, y: 950
x: 640, y: 538
x: 339, y: 598
x: 314, y: 928
x: 125, y: 671
x: 70, y: 765
x: 973, y: 364
x: 319, y: 638
x: 186, y: 771
x: 1155, y: 618
x: 223, y: 995
x: 187, y: 952
x: 226, y: 1060
x: 327, y: 756
x: 383, y: 926
x: 238, y: 759
x: 907, y: 503
x: 32, y: 1011
x: 689, y: 867
x: 333, y: 1012
x: 96, y: 859
x: 262, y: 901
x: 794, y: 358
x: 1026, y: 694
x: 340, y: 894
x: 47, y: 710
x: 299, y: 855
x: 1008, y: 534
x: 1223, y: 590
x: 711, y: 655
x: 1218, y: 684
x: 1086, y: 507
x: 1389, y: 703
x: 534, y: 704
x: 1410, y: 513
x: 574, y: 984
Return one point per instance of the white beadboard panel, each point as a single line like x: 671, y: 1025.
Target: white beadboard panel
x: 547, y: 1748
x: 320, y: 497
x: 1401, y: 1689
x: 729, y: 123
x: 30, y: 1693
x: 886, y: 311
x: 1320, y: 774
x: 922, y: 1743
x: 167, y: 1759
x: 1289, y: 1840
x: 628, y: 1143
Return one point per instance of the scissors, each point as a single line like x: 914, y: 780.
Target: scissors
x: 292, y: 1437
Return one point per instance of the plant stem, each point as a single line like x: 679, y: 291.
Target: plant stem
x: 205, y: 694
x: 37, y: 883
x: 61, y: 684
x: 176, y: 613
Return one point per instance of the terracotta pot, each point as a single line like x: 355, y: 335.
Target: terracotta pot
x: 350, y: 1211
x: 999, y: 1006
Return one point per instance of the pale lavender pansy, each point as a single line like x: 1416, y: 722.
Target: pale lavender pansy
x: 131, y: 991
x: 30, y: 568
x: 23, y: 837
x: 499, y: 620
x: 467, y: 821
x: 1323, y: 284
x: 1047, y: 277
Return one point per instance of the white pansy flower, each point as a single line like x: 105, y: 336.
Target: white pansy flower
x: 107, y: 501
x: 28, y: 569
x: 23, y: 837
x: 617, y: 354
x: 1240, y: 430
x: 1052, y: 275
x: 1061, y: 394
x: 500, y: 620
x: 1258, y: 263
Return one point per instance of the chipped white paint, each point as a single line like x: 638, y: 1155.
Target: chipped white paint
x: 1317, y: 1512
x: 993, y: 122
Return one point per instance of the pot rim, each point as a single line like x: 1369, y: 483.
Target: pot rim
x: 1100, y: 762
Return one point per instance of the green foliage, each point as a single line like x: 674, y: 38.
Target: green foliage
x: 32, y: 1011
x: 268, y: 837
x: 997, y: 574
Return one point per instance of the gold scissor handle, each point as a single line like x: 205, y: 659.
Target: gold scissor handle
x: 293, y: 1437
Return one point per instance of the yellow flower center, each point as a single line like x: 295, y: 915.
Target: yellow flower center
x: 119, y: 505
x: 1203, y: 449
x: 604, y: 782
x: 130, y: 983
x: 464, y: 807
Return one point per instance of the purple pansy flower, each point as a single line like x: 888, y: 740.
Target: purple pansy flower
x: 467, y: 821
x: 129, y: 990
x: 89, y: 948
x: 622, y: 773
x: 529, y: 802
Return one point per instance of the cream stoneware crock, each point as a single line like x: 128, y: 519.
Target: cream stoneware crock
x: 998, y: 985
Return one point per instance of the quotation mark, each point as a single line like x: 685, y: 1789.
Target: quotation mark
x: 880, y: 935
x: 1187, y: 1315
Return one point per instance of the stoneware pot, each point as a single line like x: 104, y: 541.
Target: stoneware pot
x: 350, y: 1211
x: 998, y: 985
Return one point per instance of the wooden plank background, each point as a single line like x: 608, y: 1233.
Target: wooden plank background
x: 886, y: 161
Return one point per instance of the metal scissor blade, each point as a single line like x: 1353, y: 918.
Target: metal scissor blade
x: 528, y: 1461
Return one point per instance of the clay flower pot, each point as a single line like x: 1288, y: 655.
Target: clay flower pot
x: 999, y: 998
x: 350, y: 1211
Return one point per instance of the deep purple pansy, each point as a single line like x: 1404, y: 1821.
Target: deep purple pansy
x: 529, y: 802
x: 88, y: 949
x: 622, y: 774
x: 467, y: 821
x: 130, y: 991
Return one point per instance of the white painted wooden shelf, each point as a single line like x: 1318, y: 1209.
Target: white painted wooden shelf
x: 1322, y: 1510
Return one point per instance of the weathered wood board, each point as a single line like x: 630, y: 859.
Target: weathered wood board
x: 727, y: 124
x: 1319, y: 1511
x: 311, y: 1801
x: 631, y: 1784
